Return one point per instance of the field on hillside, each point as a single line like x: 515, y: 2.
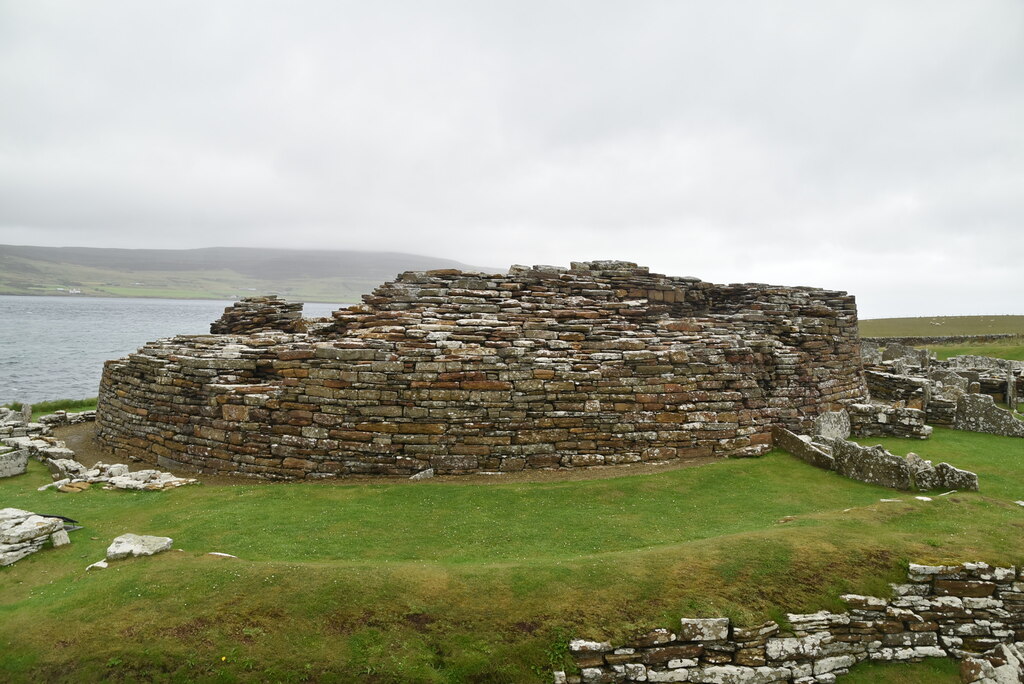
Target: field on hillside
x: 448, y: 582
x: 1011, y: 348
x: 940, y: 326
x: 210, y: 273
x: 45, y: 278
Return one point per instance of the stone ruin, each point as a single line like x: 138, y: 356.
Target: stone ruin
x: 598, y: 364
x: 830, y: 448
x: 21, y: 441
x: 960, y: 392
x: 972, y: 612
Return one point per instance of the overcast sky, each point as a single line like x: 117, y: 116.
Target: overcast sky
x: 874, y: 147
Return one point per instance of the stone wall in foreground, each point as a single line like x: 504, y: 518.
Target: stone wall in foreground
x: 961, y: 611
x: 603, y: 363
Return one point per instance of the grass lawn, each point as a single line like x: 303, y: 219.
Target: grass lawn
x: 46, y: 407
x: 937, y: 326
x: 1013, y: 349
x: 442, y: 582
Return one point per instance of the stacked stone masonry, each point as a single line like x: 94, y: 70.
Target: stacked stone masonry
x: 971, y: 612
x: 959, y: 392
x: 602, y: 363
x: 259, y: 314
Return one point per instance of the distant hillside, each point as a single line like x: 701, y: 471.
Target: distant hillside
x: 210, y: 273
x: 941, y: 326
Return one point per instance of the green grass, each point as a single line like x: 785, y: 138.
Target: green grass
x: 928, y: 671
x: 446, y: 582
x: 1012, y: 349
x: 45, y: 407
x: 938, y: 326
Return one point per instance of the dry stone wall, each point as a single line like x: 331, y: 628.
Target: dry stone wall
x: 880, y: 420
x: 602, y: 363
x: 259, y: 314
x: 940, y: 339
x: 873, y: 464
x: 963, y: 611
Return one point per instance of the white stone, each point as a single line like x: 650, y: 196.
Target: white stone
x: 585, y: 646
x: 423, y: 474
x: 60, y: 538
x: 704, y: 629
x: 29, y: 528
x: 736, y: 674
x: 865, y: 602
x: 635, y: 672
x: 98, y: 565
x: 916, y: 569
x: 787, y: 648
x: 668, y: 676
x: 13, y: 462
x: 137, y: 545
x: 837, y: 663
x: 677, y: 663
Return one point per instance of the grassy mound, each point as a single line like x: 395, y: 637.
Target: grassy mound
x: 442, y: 582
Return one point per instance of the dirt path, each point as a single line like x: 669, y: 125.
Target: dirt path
x: 82, y: 440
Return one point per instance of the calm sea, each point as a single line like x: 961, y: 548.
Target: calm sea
x: 54, y: 347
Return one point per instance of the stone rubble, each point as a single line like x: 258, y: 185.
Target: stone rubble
x: 599, y: 364
x: 959, y: 392
x: 133, y: 545
x: 22, y: 533
x: 33, y: 441
x: 973, y: 612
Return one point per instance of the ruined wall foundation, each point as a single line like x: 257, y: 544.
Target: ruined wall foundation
x: 599, y: 364
x: 972, y: 612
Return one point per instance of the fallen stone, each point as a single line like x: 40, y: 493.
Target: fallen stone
x: 98, y: 565
x: 23, y: 533
x: 955, y: 478
x: 13, y: 461
x: 423, y: 474
x: 137, y: 545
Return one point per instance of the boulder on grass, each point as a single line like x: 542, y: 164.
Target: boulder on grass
x: 137, y: 545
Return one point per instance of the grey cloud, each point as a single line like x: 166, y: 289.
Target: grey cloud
x: 872, y: 147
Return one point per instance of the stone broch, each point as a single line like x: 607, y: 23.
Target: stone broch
x: 599, y: 364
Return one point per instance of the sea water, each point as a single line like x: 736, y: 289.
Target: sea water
x: 54, y: 347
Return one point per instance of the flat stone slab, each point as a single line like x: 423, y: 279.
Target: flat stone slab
x: 137, y: 545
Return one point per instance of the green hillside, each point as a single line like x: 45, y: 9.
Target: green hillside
x: 213, y: 273
x: 942, y: 326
